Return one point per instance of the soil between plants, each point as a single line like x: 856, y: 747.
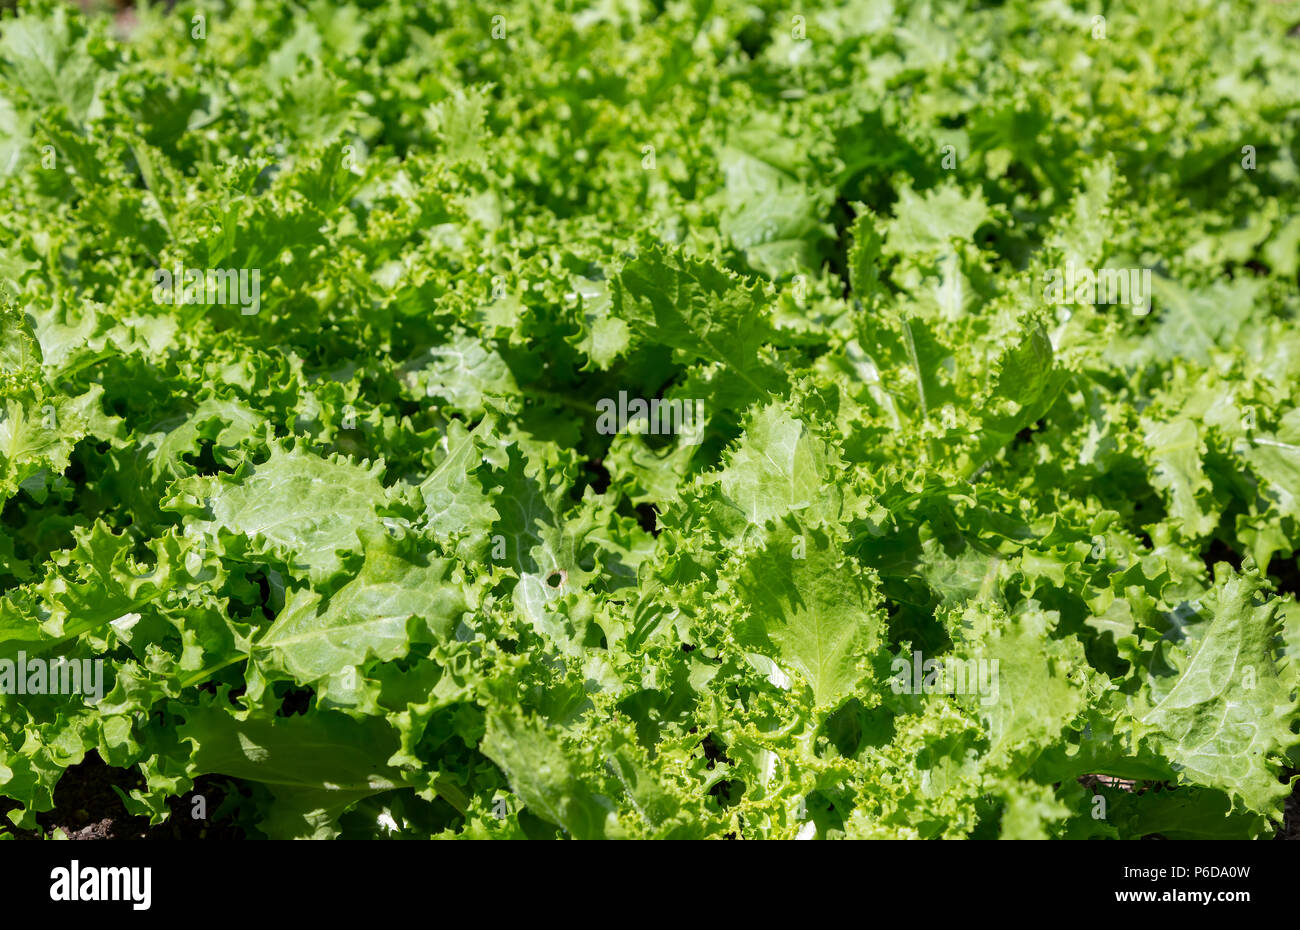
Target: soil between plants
x: 87, y: 808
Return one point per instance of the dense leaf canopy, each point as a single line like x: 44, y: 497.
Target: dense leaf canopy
x: 361, y: 550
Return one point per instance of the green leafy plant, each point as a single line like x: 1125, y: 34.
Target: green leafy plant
x: 309, y: 311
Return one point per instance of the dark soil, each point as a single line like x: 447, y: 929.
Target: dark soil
x: 1290, y: 829
x: 87, y: 808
